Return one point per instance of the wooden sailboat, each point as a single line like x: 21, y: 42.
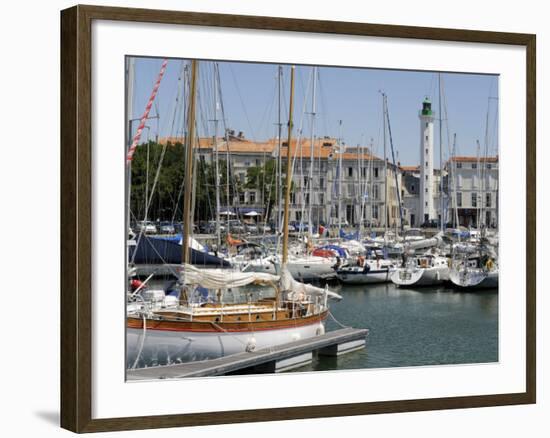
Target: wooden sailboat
x: 204, y: 324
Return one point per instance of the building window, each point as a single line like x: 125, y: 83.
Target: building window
x: 487, y: 199
x: 375, y: 191
x: 321, y: 183
x: 426, y: 151
x: 252, y: 197
x: 426, y: 164
x: 474, y: 165
x: 426, y: 138
x: 426, y: 190
x: 350, y: 171
x: 474, y: 199
x: 376, y: 172
x: 489, y: 166
x: 241, y: 198
x: 292, y: 198
x: 427, y: 124
x: 426, y: 203
x: 363, y: 172
x: 257, y: 162
x: 412, y: 188
x: 375, y: 211
x: 459, y: 165
x: 459, y: 199
x: 305, y: 181
x: 307, y: 198
x: 426, y: 177
x: 321, y: 198
x: 247, y: 163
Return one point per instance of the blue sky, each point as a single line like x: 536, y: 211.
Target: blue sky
x: 249, y: 92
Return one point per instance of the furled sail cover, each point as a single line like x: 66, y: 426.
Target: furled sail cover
x: 224, y: 278
x: 296, y: 290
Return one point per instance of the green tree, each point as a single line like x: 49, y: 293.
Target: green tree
x: 264, y: 179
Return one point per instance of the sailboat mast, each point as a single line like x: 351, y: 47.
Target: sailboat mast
x: 130, y: 66
x: 453, y: 170
x: 441, y: 217
x: 190, y: 140
x: 340, y: 152
x: 279, y: 141
x: 478, y: 187
x: 397, y: 192
x: 386, y: 211
x: 311, y: 159
x: 216, y: 158
x: 288, y: 168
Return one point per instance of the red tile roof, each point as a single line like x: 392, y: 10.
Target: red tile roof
x: 469, y: 159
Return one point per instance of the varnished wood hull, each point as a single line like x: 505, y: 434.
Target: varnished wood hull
x: 172, y: 342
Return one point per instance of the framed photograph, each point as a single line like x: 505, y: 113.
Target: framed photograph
x: 269, y: 219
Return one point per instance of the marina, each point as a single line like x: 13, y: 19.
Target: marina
x: 300, y: 252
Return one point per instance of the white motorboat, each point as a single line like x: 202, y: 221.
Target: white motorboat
x: 366, y: 272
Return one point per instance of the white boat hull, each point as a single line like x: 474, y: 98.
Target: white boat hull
x: 420, y: 276
x: 360, y: 276
x: 162, y: 347
x: 312, y: 269
x: 474, y: 278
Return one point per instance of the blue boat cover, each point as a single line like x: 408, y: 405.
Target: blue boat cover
x: 339, y: 250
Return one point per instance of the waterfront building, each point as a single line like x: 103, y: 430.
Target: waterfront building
x: 470, y: 192
x: 476, y: 194
x: 347, y: 183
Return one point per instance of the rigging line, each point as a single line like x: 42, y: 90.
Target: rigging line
x: 225, y: 127
x: 299, y: 144
x: 325, y: 115
x: 148, y: 204
x: 266, y: 116
x: 253, y: 132
x: 176, y: 105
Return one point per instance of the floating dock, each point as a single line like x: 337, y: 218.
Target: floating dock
x: 268, y: 360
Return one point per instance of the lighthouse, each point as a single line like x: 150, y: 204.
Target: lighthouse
x: 426, y: 116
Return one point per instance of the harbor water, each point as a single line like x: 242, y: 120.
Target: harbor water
x: 412, y: 327
x: 407, y: 327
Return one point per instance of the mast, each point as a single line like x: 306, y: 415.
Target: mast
x: 358, y: 193
x: 288, y: 168
x: 441, y: 219
x: 453, y: 170
x: 130, y: 65
x: 478, y: 194
x: 190, y: 140
x: 313, y: 109
x: 386, y: 212
x: 484, y: 164
x: 340, y: 151
x: 279, y: 142
x: 394, y: 164
x: 216, y: 158
x: 371, y: 187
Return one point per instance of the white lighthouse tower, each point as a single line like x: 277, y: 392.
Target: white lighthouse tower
x: 426, y: 116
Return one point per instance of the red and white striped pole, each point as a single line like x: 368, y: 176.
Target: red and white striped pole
x: 143, y: 119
